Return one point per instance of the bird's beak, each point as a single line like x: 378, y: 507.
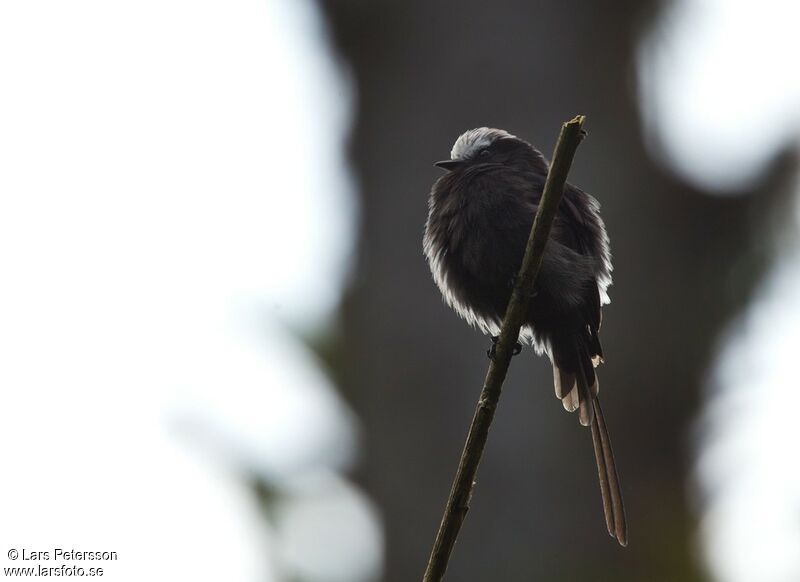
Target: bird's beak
x: 449, y: 165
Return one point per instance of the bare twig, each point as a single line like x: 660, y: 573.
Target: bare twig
x: 458, y: 502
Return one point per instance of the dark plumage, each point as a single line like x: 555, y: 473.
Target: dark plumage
x: 479, y: 219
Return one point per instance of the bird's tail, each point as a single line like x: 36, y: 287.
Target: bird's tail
x: 578, y: 390
x: 575, y: 394
x: 610, y: 491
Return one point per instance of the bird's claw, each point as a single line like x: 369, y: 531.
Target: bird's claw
x: 492, y: 351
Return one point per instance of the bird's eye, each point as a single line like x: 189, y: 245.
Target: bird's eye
x: 484, y: 153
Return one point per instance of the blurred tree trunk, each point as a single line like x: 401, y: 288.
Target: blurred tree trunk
x: 425, y: 72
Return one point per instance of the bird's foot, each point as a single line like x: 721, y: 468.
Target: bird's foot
x: 492, y: 351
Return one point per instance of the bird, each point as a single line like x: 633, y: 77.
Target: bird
x: 480, y: 213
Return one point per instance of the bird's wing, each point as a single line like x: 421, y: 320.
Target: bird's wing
x: 574, y: 223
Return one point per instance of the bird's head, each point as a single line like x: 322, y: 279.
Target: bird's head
x: 490, y: 147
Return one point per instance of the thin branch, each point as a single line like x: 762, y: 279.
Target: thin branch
x: 458, y: 503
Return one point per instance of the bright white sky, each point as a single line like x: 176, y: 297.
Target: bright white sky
x: 720, y: 87
x: 749, y: 467
x: 721, y: 92
x: 172, y: 190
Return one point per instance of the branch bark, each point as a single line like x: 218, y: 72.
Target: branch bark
x: 458, y: 503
